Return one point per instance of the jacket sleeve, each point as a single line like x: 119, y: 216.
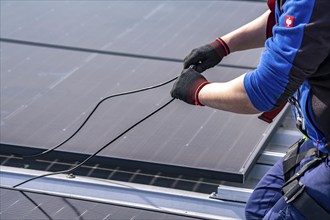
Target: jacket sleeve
x: 300, y: 43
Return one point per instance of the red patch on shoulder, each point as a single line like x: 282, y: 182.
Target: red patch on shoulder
x: 289, y: 21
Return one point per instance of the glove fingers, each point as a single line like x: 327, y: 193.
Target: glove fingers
x: 178, y: 86
x: 203, y: 66
x: 200, y: 68
x: 193, y: 58
x: 187, y: 86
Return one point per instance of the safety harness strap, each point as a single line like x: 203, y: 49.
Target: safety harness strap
x: 307, y: 166
x: 292, y: 158
x: 295, y: 194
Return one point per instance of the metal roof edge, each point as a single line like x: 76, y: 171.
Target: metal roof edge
x: 124, y: 194
x: 267, y: 135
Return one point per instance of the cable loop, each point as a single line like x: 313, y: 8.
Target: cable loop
x: 109, y: 143
x: 92, y: 112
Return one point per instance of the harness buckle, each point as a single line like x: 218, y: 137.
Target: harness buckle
x: 301, y: 124
x: 293, y: 190
x: 300, y: 121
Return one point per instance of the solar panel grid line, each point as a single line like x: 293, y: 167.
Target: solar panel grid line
x: 106, y: 52
x: 40, y: 164
x: 170, y: 5
x: 87, y: 167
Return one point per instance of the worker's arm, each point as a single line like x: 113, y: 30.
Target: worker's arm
x: 292, y: 55
x: 229, y: 96
x: 251, y: 35
x: 193, y: 88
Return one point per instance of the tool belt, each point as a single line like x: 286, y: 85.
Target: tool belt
x: 294, y: 191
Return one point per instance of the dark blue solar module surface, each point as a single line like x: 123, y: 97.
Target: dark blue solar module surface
x: 47, y: 92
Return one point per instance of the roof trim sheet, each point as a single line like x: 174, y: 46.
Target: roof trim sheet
x: 25, y: 204
x: 134, y: 196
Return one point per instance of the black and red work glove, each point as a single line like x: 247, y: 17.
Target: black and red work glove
x: 188, y: 85
x: 207, y: 56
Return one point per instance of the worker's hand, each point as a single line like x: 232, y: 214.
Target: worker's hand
x: 188, y: 85
x: 207, y: 56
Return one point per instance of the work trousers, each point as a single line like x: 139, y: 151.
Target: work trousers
x: 267, y: 202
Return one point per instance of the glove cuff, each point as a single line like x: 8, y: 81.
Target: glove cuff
x: 220, y: 47
x: 197, y: 91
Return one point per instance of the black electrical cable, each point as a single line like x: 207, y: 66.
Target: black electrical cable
x: 102, y: 148
x: 92, y: 112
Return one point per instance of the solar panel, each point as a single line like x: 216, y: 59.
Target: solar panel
x: 47, y: 92
x: 160, y: 28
